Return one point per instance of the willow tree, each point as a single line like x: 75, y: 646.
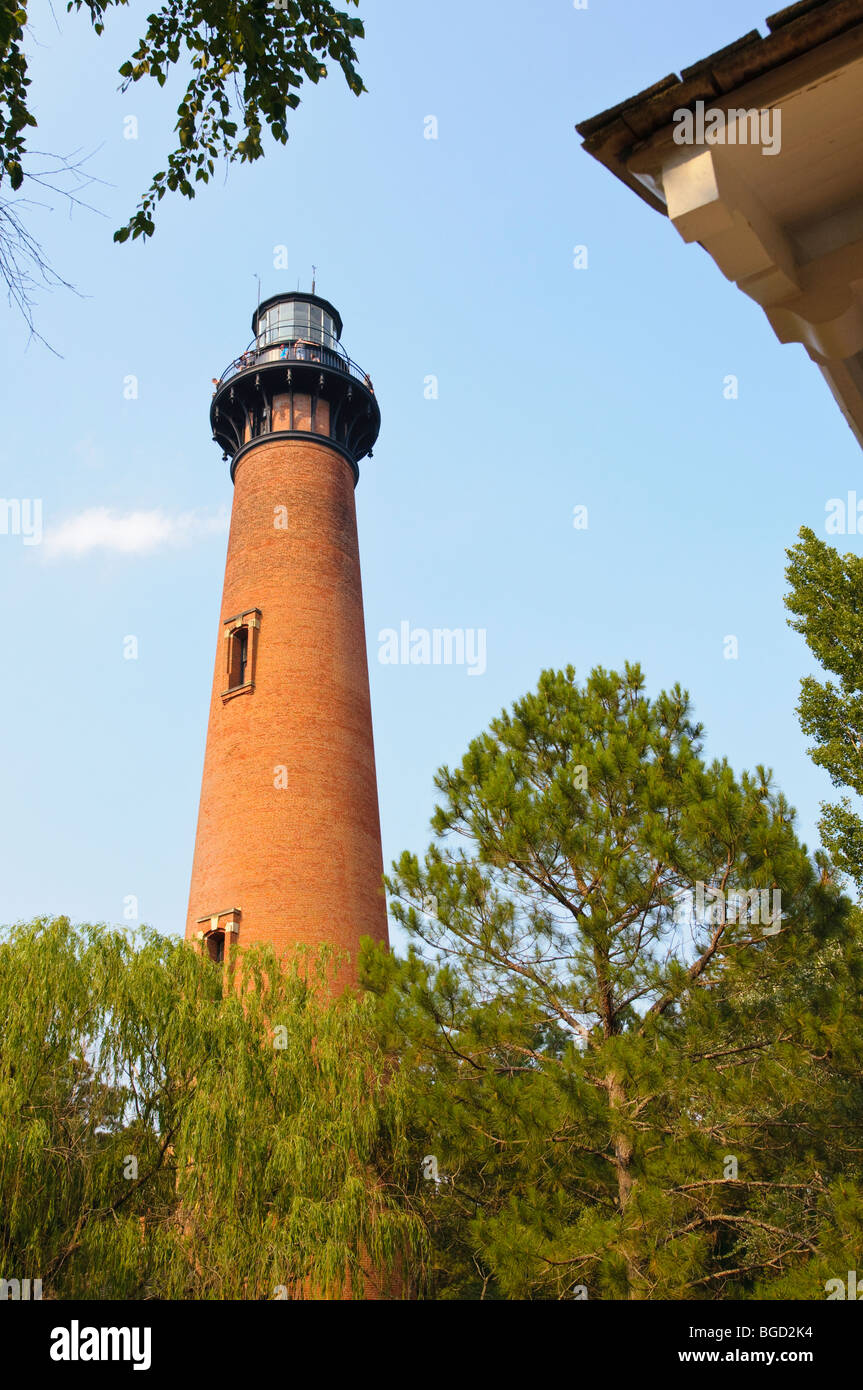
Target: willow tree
x: 164, y: 1136
x: 631, y: 1083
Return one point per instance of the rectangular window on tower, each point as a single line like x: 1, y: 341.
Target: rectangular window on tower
x: 241, y: 644
x: 239, y: 658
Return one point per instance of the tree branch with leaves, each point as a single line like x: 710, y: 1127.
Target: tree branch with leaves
x: 245, y: 63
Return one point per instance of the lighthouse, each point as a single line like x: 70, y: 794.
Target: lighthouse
x: 288, y: 845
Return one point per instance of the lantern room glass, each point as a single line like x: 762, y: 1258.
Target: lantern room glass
x: 293, y: 320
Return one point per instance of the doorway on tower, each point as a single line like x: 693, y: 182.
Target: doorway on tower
x: 215, y: 943
x: 216, y: 932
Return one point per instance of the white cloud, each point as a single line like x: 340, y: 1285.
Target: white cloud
x: 130, y: 533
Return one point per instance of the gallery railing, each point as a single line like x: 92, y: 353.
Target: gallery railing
x: 300, y: 350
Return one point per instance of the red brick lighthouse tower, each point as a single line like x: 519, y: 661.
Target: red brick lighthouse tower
x: 288, y: 847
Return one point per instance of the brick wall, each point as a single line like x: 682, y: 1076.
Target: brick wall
x: 303, y: 861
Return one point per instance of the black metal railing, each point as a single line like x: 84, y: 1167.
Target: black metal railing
x: 301, y: 350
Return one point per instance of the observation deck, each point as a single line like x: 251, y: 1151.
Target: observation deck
x: 295, y: 379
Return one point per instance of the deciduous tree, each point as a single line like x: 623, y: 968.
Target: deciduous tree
x: 244, y: 64
x: 826, y: 597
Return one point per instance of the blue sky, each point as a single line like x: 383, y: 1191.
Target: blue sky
x: 557, y: 388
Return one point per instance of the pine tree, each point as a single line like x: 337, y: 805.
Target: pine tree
x: 616, y: 1051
